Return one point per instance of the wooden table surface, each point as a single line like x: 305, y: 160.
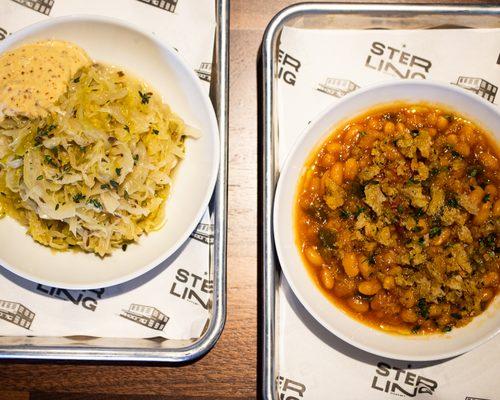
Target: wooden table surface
x: 229, y: 371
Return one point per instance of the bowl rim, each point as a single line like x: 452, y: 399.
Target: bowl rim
x: 279, y: 244
x: 180, y: 62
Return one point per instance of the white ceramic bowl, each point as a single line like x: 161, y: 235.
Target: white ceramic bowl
x: 412, y: 347
x: 119, y: 43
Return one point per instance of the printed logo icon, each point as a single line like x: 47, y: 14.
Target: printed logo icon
x: 479, y: 86
x: 16, y: 314
x: 397, y: 62
x: 205, y: 71
x: 42, y: 6
x: 288, y: 67
x: 397, y: 381
x: 85, y: 298
x: 192, y: 288
x: 204, y: 233
x: 168, y: 5
x: 289, y: 389
x: 337, y: 87
x: 3, y: 34
x: 146, y: 315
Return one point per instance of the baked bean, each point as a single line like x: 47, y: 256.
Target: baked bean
x: 327, y: 160
x: 334, y: 149
x: 350, y: 264
x: 432, y: 132
x: 491, y: 190
x: 408, y: 298
x: 389, y: 283
x: 337, y: 172
x: 327, y: 278
x: 434, y: 310
x: 496, y: 208
x: 463, y: 149
x: 485, y: 295
x: 370, y: 287
x: 409, y: 315
x: 476, y: 196
x: 483, y: 214
x: 389, y: 128
x: 441, y: 123
x: 344, y: 287
x: 366, y: 268
x: 313, y: 256
x: 488, y: 160
x: 452, y: 139
x: 490, y: 279
x: 358, y: 304
x: 350, y: 169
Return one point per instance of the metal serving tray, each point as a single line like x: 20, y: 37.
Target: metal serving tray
x: 172, y: 351
x: 325, y: 16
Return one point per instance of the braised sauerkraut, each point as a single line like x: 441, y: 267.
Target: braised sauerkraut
x: 96, y: 172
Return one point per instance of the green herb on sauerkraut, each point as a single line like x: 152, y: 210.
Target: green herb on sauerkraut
x: 91, y: 175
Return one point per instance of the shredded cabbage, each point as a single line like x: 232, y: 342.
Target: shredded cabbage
x: 96, y: 172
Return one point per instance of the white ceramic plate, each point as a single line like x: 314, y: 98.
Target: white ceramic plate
x: 411, y: 347
x: 115, y: 42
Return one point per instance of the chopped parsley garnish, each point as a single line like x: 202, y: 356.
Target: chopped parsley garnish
x: 114, y: 183
x: 448, y: 117
x: 434, y: 231
x: 78, y: 197
x: 486, y: 198
x: 400, y: 209
x: 371, y: 259
x: 105, y: 186
x: 126, y: 195
x: 344, y: 214
x: 411, y: 181
x: 415, y: 132
x: 447, y: 328
x: 145, y: 97
x: 422, y: 307
x: 474, y: 171
x: 50, y: 161
x: 126, y: 128
x: 418, y: 212
x: 455, y: 154
x: 358, y: 211
x: 456, y: 315
x: 39, y: 177
x: 67, y: 167
x: 83, y: 149
x: 452, y: 202
x: 96, y: 203
x: 124, y: 246
x: 156, y: 131
x: 421, y: 241
x: 415, y: 329
x: 434, y: 171
x: 416, y: 229
x: 56, y: 207
x: 76, y: 80
x: 118, y: 171
x: 136, y: 157
x: 362, y: 133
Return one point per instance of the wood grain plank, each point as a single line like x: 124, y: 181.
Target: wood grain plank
x: 8, y: 395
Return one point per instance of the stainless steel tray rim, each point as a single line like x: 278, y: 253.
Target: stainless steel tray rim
x: 210, y: 337
x: 270, y: 170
